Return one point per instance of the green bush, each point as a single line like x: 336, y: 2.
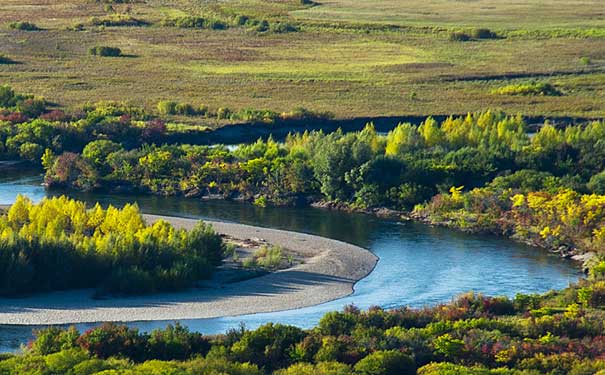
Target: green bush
x: 105, y: 51
x: 529, y: 89
x: 117, y: 20
x: 483, y: 34
x: 459, y: 36
x: 261, y: 27
x: 192, y: 22
x: 282, y: 27
x: 167, y: 107
x: 596, y: 184
x: 390, y: 362
x: 24, y: 26
x: 223, y: 113
x: 185, y: 109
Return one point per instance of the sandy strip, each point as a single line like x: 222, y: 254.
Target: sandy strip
x: 329, y: 272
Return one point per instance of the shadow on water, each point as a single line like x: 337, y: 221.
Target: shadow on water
x: 419, y: 264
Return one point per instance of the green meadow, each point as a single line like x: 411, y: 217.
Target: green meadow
x: 352, y: 58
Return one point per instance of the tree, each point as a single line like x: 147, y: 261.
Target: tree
x: 390, y: 362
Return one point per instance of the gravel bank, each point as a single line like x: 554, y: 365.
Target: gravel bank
x: 330, y: 270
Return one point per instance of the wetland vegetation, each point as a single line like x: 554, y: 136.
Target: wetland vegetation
x: 110, y: 85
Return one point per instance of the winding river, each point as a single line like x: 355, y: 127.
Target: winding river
x: 419, y: 264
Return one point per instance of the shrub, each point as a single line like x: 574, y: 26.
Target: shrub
x: 31, y: 107
x: 185, y: 109
x: 5, y: 60
x: 31, y: 151
x: 261, y: 27
x: 110, y: 340
x: 596, y: 184
x: 24, y: 26
x: 223, y: 113
x: 192, y: 22
x: 53, y: 339
x: 167, y: 107
x: 240, y: 20
x: 529, y: 89
x: 459, y: 36
x: 117, y: 20
x: 175, y: 342
x: 266, y: 257
x: 268, y: 346
x: 66, y: 248
x: 105, y: 51
x: 336, y: 323
x: 391, y: 362
x: 483, y: 34
x: 283, y: 27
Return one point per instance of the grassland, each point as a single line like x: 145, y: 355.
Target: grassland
x: 353, y: 58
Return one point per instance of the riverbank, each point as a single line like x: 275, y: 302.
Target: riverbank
x: 330, y: 270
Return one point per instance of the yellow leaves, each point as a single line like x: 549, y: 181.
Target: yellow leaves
x: 19, y: 211
x: 599, y: 235
x: 507, y: 355
x: 535, y: 201
x: 548, y: 232
x: 518, y: 200
x: 456, y: 193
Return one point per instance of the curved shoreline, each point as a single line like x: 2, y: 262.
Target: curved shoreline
x: 329, y: 272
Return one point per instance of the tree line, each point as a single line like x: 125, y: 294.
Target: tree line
x: 554, y: 333
x: 61, y: 244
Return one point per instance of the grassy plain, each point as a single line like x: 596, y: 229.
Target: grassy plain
x: 353, y: 58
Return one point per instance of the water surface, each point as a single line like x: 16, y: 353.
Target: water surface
x: 419, y: 264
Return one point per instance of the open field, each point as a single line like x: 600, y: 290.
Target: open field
x: 334, y: 62
x: 502, y: 15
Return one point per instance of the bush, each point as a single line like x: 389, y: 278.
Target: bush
x: 24, y: 26
x: 59, y: 244
x: 223, y: 113
x: 596, y: 184
x: 167, y: 107
x: 5, y: 60
x: 185, y: 109
x: 117, y: 20
x: 283, y: 27
x: 195, y: 23
x: 266, y: 257
x: 529, y: 89
x: 175, y: 342
x: 110, y: 340
x: 391, y: 362
x: 261, y: 27
x: 105, y: 51
x: 483, y: 34
x: 268, y: 346
x: 459, y: 36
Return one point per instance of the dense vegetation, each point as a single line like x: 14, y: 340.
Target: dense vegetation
x: 556, y: 333
x: 489, y: 152
x: 60, y: 244
x: 29, y: 125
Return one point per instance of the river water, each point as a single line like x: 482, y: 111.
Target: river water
x: 419, y: 264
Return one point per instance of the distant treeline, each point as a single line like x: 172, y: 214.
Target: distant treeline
x: 29, y: 125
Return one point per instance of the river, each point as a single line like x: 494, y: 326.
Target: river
x: 419, y: 264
